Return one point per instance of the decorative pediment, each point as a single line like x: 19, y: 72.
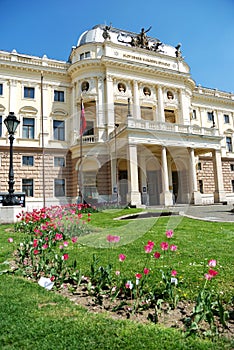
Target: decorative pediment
x: 228, y: 131
x: 59, y: 112
x: 28, y: 110
x: 2, y: 109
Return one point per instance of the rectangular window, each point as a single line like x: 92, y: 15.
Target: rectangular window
x: 0, y: 126
x: 58, y: 96
x: 1, y: 89
x: 194, y: 115
x: 210, y: 116
x: 59, y: 187
x: 200, y: 185
x: 59, y: 161
x: 199, y: 166
x: 85, y: 55
x: 229, y: 143
x: 27, y: 187
x: 28, y: 160
x: 29, y: 92
x: 59, y: 130
x: 146, y: 113
x: 28, y: 128
x: 226, y: 119
x: 232, y: 185
x: 232, y: 167
x: 90, y: 185
x: 89, y: 128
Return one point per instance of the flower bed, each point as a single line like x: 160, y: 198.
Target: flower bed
x: 151, y: 293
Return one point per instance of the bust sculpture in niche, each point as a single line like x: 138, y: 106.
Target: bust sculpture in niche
x: 121, y: 87
x: 85, y: 86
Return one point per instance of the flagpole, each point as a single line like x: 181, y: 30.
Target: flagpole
x: 81, y: 149
x: 42, y: 142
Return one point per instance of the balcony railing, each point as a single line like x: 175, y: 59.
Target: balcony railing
x: 89, y: 139
x: 166, y: 127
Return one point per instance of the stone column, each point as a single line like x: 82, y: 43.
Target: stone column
x: 46, y: 125
x: 110, y: 114
x: 133, y: 196
x: 160, y: 114
x: 169, y: 160
x: 136, y: 101
x: 114, y: 184
x: 143, y: 179
x: 185, y: 105
x: 100, y: 109
x: 219, y: 194
x: 196, y: 197
x: 12, y: 95
x: 165, y: 196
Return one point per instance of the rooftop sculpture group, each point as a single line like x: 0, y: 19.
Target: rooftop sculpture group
x: 141, y: 40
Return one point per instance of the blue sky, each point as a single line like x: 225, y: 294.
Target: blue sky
x: 204, y: 27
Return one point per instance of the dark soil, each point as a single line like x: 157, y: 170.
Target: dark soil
x: 166, y: 316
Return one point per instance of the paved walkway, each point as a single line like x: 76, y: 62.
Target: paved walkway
x: 215, y: 212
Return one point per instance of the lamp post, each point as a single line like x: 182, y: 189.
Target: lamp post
x: 11, y: 123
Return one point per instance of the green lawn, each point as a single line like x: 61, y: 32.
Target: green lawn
x: 33, y: 318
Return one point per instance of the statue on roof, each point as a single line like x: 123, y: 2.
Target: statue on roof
x: 142, y: 38
x: 106, y: 34
x: 155, y: 46
x: 178, y: 51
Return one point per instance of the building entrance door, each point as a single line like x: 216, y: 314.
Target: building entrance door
x: 123, y: 186
x: 154, y: 186
x: 175, y: 184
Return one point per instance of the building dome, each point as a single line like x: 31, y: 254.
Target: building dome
x: 90, y: 36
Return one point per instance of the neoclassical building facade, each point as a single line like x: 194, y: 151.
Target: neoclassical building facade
x: 152, y: 137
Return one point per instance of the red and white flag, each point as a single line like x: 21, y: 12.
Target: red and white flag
x: 82, y: 120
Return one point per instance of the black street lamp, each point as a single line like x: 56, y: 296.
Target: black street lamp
x: 11, y: 123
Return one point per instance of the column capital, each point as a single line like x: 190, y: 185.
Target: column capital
x: 109, y: 78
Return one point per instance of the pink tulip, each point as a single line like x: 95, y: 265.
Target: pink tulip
x: 212, y: 263
x: 74, y: 239
x: 173, y: 273
x: 129, y: 285
x: 65, y: 256
x: 148, y: 248
x: 173, y: 247
x: 146, y: 271
x: 122, y: 257
x: 207, y: 276
x: 58, y: 236
x: 213, y: 273
x: 157, y: 255
x: 138, y: 275
x: 169, y: 233
x: 151, y: 244
x: 65, y: 243
x: 164, y: 245
x: 10, y: 240
x: 113, y: 239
